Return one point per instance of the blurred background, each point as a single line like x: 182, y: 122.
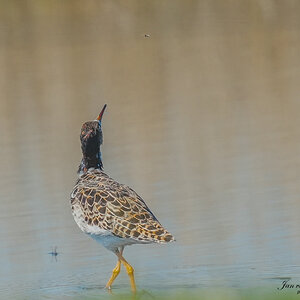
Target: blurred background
x: 203, y: 121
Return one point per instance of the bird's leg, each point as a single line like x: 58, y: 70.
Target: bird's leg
x: 115, y: 271
x: 129, y: 270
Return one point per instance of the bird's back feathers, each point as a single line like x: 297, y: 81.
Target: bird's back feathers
x: 109, y: 205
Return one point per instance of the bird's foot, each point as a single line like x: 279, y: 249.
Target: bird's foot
x: 109, y: 290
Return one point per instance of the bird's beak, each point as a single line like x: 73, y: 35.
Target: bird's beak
x: 99, y: 118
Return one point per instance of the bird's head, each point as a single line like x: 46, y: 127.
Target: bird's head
x: 91, y: 136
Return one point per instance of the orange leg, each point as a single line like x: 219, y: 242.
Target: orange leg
x: 115, y: 271
x: 129, y: 270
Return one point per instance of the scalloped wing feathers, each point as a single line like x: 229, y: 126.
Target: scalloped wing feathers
x: 109, y: 205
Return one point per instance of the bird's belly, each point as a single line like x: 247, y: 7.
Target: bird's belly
x: 110, y: 241
x: 79, y: 218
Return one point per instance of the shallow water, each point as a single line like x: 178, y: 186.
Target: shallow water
x: 203, y: 121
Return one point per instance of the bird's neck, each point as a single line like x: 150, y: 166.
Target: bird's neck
x: 91, y: 161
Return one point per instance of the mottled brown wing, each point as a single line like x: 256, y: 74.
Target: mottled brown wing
x: 132, y: 217
x: 115, y: 207
x: 93, y: 206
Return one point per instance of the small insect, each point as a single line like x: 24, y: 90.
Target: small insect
x: 54, y: 253
x: 147, y: 35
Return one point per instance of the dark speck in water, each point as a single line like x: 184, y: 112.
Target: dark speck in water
x: 54, y: 253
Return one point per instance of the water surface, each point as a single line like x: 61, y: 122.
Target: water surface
x: 203, y: 121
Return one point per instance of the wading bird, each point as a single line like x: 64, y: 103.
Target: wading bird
x: 111, y: 213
